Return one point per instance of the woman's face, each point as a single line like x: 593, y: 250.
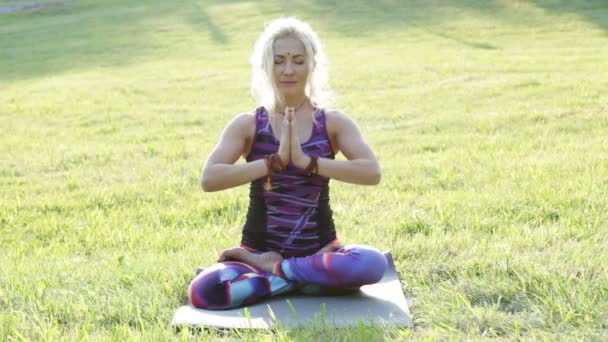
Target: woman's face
x: 290, y: 67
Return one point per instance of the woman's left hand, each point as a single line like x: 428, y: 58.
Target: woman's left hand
x: 298, y: 157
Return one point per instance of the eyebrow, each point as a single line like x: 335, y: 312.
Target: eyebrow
x: 283, y: 56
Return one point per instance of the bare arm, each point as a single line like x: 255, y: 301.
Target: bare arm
x: 220, y: 171
x: 362, y: 166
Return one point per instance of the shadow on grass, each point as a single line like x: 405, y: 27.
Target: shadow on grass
x: 592, y: 11
x: 357, y: 17
x: 90, y: 34
x: 46, y: 40
x: 463, y: 41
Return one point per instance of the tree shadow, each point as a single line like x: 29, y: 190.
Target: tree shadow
x: 357, y: 18
x: 90, y: 34
x: 20, y: 7
x: 466, y: 42
x: 592, y: 11
x: 361, y: 17
x: 201, y: 19
x: 45, y: 40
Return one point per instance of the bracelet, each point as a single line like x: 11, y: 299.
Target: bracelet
x: 268, y: 160
x: 313, y: 166
x: 274, y: 163
x: 282, y: 164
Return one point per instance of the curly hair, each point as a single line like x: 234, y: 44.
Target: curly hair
x: 263, y: 85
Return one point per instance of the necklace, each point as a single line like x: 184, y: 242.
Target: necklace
x: 297, y: 108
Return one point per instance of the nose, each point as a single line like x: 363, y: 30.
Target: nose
x: 288, y: 68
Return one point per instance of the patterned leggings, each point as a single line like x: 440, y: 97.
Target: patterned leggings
x: 233, y: 284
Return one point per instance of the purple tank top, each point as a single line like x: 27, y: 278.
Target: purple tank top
x: 294, y: 217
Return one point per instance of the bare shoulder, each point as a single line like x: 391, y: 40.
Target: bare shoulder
x: 244, y: 120
x: 243, y: 127
x: 335, y: 115
x: 243, y: 124
x: 337, y: 120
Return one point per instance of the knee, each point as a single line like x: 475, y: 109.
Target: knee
x: 197, y: 292
x: 370, y: 264
x: 206, y: 291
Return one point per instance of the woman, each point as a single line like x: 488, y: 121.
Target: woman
x: 289, y: 241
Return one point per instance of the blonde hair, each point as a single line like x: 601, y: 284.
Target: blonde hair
x: 263, y: 85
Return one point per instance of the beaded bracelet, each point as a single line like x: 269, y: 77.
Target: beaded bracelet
x: 274, y: 163
x: 281, y: 163
x: 313, y: 166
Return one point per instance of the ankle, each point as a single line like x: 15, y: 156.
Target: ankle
x: 277, y: 270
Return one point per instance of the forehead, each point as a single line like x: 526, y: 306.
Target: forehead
x: 288, y: 45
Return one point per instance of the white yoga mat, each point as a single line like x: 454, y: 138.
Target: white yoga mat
x: 381, y: 304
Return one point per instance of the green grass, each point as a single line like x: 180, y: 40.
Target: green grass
x: 490, y: 119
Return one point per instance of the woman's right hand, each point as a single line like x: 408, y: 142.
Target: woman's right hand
x: 284, y: 144
x: 232, y: 254
x: 330, y: 248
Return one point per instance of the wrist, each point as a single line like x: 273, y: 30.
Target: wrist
x: 303, y: 161
x: 313, y: 165
x: 273, y: 164
x: 282, y: 162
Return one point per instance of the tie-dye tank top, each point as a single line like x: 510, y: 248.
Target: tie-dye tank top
x: 294, y: 217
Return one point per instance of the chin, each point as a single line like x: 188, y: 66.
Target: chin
x: 291, y: 92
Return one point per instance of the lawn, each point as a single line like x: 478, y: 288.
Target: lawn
x: 490, y: 120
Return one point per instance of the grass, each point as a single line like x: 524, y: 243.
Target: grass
x: 490, y: 119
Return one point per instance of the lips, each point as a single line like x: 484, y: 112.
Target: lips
x: 289, y: 82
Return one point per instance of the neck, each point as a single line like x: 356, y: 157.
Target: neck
x: 295, y: 102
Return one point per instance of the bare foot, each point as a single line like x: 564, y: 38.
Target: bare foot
x: 236, y: 253
x: 264, y: 261
x: 330, y: 248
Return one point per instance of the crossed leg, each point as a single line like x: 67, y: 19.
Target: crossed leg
x: 232, y: 284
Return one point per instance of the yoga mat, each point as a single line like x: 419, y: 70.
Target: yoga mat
x: 382, y: 303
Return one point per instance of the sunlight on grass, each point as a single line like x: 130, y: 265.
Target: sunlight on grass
x: 489, y: 119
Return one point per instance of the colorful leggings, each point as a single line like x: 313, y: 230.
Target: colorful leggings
x: 233, y: 284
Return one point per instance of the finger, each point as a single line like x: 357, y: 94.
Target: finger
x: 285, y: 127
x: 289, y: 113
x: 294, y: 136
x: 285, y: 135
x: 224, y: 255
